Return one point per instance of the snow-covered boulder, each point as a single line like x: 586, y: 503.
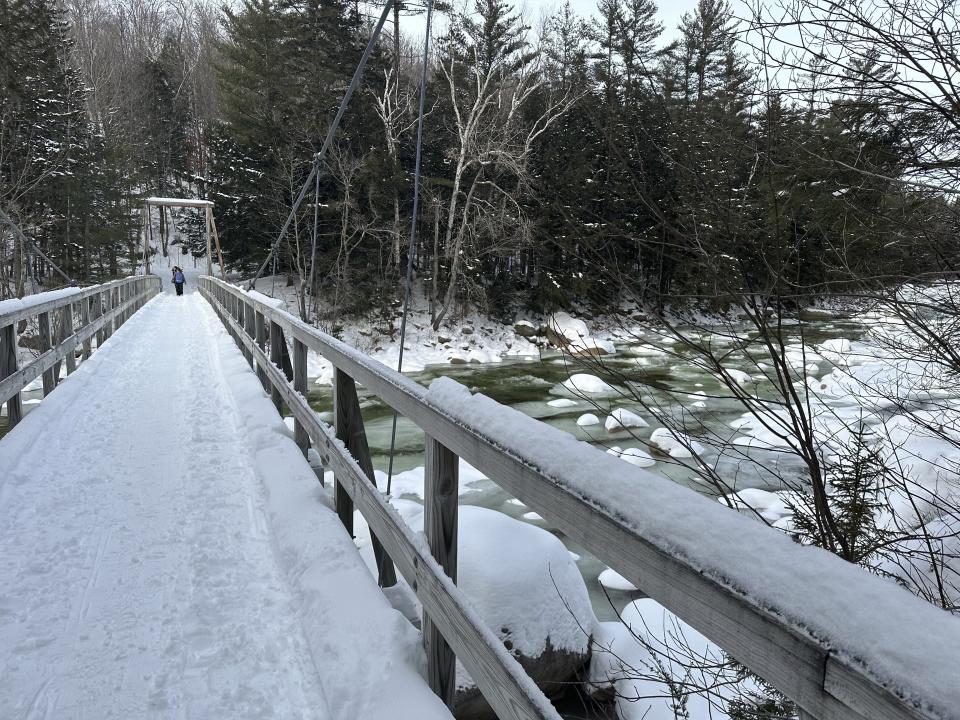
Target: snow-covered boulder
x: 624, y: 669
x: 674, y: 444
x: 562, y: 403
x: 584, y: 384
x: 769, y: 505
x: 836, y: 350
x: 738, y: 376
x: 634, y: 456
x: 591, y: 347
x: 563, y: 329
x: 588, y: 419
x: 622, y: 419
x: 525, y: 328
x: 528, y: 589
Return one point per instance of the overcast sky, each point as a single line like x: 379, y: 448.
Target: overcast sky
x: 670, y: 12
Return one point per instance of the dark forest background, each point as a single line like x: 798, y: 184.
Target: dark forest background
x: 800, y: 149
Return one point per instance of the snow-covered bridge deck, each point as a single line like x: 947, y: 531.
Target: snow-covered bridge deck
x: 166, y: 551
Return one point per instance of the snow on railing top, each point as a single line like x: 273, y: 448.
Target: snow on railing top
x: 17, y: 309
x: 19, y: 305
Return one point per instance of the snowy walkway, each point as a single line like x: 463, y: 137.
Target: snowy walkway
x: 166, y: 552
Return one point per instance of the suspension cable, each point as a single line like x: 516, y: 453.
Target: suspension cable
x: 413, y: 224
x: 313, y: 244
x: 328, y: 140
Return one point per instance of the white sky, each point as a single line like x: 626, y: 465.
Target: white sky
x: 669, y: 11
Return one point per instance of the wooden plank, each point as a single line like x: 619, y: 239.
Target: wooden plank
x: 349, y: 425
x: 66, y: 330
x: 501, y: 679
x: 46, y: 342
x: 787, y: 658
x: 8, y: 368
x: 440, y: 525
x: 300, y: 385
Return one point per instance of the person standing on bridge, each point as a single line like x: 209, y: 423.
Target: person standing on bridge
x: 178, y: 279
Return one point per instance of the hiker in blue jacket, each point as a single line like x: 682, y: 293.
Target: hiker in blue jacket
x: 178, y: 279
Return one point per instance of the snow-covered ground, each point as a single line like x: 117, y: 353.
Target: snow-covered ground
x: 167, y: 552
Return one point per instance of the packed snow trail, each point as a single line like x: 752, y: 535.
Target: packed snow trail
x: 165, y: 551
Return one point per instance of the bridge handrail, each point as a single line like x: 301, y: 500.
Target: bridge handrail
x: 103, y: 308
x: 831, y: 673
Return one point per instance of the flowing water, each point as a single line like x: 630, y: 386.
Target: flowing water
x: 529, y: 384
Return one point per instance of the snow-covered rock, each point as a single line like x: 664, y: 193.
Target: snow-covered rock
x: 562, y: 403
x: 738, y: 376
x: 612, y: 580
x: 638, y: 680
x: 588, y: 419
x: 528, y: 589
x: 525, y: 328
x: 591, y: 347
x: 622, y: 419
x: 676, y: 445
x: 564, y: 329
x: 634, y: 456
x: 584, y: 384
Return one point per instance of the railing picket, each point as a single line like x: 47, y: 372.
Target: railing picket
x: 46, y: 342
x: 260, y: 327
x: 66, y: 330
x: 97, y: 303
x: 349, y: 426
x: 440, y: 525
x: 248, y: 328
x: 8, y: 366
x: 300, y: 385
x: 276, y: 342
x: 85, y: 320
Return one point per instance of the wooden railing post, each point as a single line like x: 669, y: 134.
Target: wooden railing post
x: 107, y: 304
x: 440, y: 525
x: 260, y: 326
x: 46, y: 342
x: 247, y: 321
x: 97, y: 301
x: 66, y: 330
x: 85, y: 320
x: 276, y: 343
x: 348, y: 424
x: 300, y: 385
x: 8, y: 366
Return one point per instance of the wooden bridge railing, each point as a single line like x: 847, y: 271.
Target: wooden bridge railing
x: 66, y: 320
x: 787, y: 642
